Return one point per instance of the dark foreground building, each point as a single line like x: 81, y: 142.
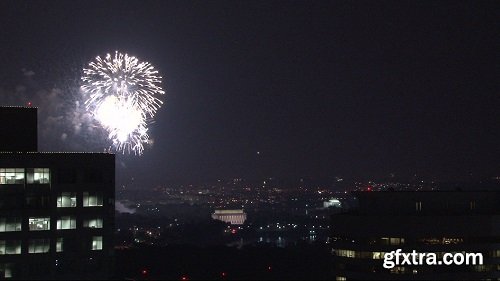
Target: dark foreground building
x: 435, y: 221
x: 56, y: 209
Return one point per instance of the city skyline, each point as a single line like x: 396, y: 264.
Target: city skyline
x: 249, y: 140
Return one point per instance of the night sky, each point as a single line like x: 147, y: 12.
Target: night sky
x: 356, y: 89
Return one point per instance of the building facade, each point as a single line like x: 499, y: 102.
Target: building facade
x: 234, y: 217
x: 428, y: 222
x: 56, y: 213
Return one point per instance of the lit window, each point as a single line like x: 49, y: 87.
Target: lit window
x: 93, y: 223
x: 341, y: 278
x: 431, y: 241
x: 448, y: 241
x: 38, y: 175
x: 37, y: 224
x: 38, y: 246
x: 92, y: 199
x: 59, y: 245
x: 472, y: 205
x: 11, y: 175
x: 480, y: 268
x: 6, y: 270
x: 398, y: 270
x: 10, y: 247
x: 96, y: 243
x: 10, y: 224
x: 67, y: 222
x: 495, y: 254
x: 345, y: 253
x: 392, y: 241
x: 66, y: 199
x: 396, y: 241
x: 42, y: 175
x: 418, y: 206
x: 378, y: 255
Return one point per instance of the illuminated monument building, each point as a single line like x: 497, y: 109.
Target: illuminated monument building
x: 425, y: 221
x: 233, y: 217
x: 56, y: 209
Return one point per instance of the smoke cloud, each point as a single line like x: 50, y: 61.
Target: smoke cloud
x: 63, y: 121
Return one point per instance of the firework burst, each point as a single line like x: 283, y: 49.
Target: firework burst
x: 123, y: 93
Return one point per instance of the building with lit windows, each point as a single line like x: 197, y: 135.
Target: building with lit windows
x: 434, y: 221
x: 56, y: 209
x: 234, y: 217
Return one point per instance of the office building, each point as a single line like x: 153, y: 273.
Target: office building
x: 56, y: 208
x: 428, y: 222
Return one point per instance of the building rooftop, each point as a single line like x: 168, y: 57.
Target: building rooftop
x: 229, y: 212
x: 18, y: 128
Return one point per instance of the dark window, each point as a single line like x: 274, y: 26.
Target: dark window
x: 67, y: 176
x: 11, y: 201
x: 93, y: 176
x: 37, y: 201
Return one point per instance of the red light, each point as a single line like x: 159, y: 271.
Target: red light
x: 184, y: 278
x: 223, y: 274
x: 269, y: 268
x: 29, y: 104
x: 369, y: 189
x: 233, y: 231
x: 144, y: 272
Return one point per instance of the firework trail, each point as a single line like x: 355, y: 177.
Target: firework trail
x: 123, y: 93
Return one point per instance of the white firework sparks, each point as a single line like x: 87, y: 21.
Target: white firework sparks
x: 123, y: 94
